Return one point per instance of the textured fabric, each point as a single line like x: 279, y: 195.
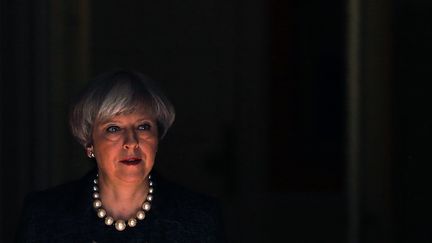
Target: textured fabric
x: 65, y: 214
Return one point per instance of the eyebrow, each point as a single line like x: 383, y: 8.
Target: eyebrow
x: 141, y: 119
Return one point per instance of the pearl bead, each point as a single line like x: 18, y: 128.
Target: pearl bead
x: 140, y: 215
x: 151, y: 190
x: 146, y: 206
x: 150, y: 183
x: 96, y: 195
x: 149, y: 198
x: 120, y: 225
x: 101, y: 213
x: 97, y: 203
x: 109, y: 220
x: 95, y: 188
x: 132, y: 222
x: 95, y: 181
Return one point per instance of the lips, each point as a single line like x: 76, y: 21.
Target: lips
x: 131, y: 161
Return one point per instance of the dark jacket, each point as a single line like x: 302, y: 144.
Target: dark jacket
x: 65, y: 214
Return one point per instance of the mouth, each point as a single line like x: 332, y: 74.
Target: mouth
x: 131, y: 161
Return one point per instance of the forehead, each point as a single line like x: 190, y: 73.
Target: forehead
x: 137, y: 114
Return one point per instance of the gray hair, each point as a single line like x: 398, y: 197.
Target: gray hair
x: 115, y: 93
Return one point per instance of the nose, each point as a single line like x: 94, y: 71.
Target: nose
x: 131, y: 140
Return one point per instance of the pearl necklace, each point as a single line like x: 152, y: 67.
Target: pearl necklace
x: 120, y: 224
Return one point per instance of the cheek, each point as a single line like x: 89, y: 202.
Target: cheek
x: 150, y: 148
x: 106, y: 150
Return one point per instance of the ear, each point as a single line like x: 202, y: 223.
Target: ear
x: 90, y: 152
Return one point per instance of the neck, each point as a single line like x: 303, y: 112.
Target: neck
x: 122, y: 200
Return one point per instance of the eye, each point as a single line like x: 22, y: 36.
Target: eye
x: 144, y: 127
x: 113, y: 129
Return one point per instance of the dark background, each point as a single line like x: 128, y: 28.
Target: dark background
x: 309, y: 120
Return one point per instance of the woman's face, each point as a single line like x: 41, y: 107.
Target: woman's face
x: 125, y: 147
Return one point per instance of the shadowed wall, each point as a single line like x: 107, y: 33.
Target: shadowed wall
x: 261, y: 93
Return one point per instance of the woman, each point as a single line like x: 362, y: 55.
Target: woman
x: 119, y: 120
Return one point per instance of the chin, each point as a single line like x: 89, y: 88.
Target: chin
x: 132, y: 175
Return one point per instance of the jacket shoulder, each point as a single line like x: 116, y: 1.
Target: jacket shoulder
x: 187, y: 215
x: 54, y: 211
